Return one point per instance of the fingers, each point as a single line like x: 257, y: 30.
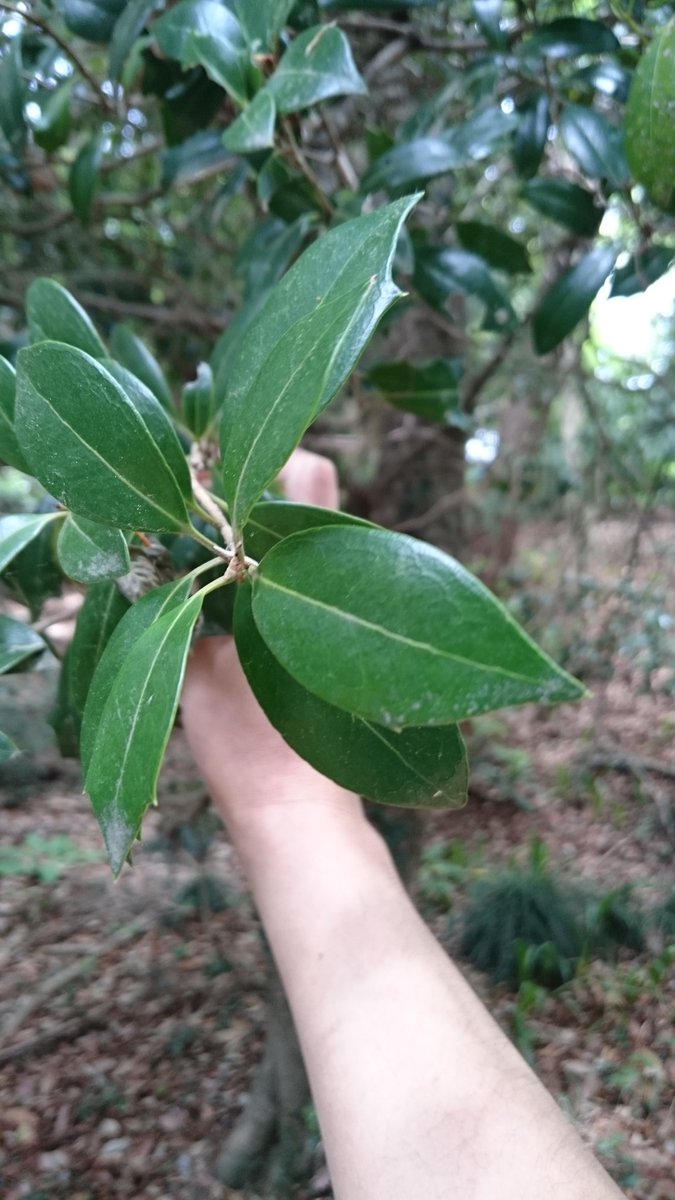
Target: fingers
x: 310, y: 479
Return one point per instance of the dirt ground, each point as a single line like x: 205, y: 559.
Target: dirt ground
x: 131, y: 1014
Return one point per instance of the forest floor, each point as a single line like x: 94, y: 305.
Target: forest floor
x: 131, y: 1014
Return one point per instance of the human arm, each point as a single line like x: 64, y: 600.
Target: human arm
x: 419, y: 1094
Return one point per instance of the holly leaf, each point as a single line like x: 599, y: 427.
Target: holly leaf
x: 18, y: 642
x: 570, y: 298
x: 393, y: 630
x: 273, y: 520
x: 595, y: 143
x: 317, y: 65
x: 566, y: 203
x: 133, y: 354
x: 69, y: 442
x: 417, y: 767
x: 641, y: 270
x: 441, y: 272
x: 650, y: 144
x: 103, y: 607
x: 253, y: 129
x: 54, y: 315
x: 18, y: 530
x: 10, y: 451
x: 88, y: 551
x: 206, y: 33
x: 134, y: 729
x: 498, y: 249
x: 302, y: 347
x: 431, y: 390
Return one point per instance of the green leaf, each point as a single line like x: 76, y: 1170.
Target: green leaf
x: 52, y: 127
x: 93, y: 20
x: 69, y: 442
x: 157, y: 423
x: 641, y: 270
x: 89, y: 552
x: 7, y: 748
x: 18, y: 642
x: 529, y: 142
x: 439, y: 273
x: 568, y: 37
x: 196, y: 155
x: 650, y: 116
x: 317, y: 65
x: 596, y: 145
x: 54, y: 315
x: 566, y: 203
x: 253, y: 129
x: 206, y: 33
x: 198, y: 401
x: 394, y: 630
x: 10, y: 451
x: 17, y: 532
x: 84, y: 177
x: 417, y: 767
x: 427, y: 157
x: 498, y: 249
x: 133, y: 354
x: 103, y: 608
x: 570, y: 298
x: 135, y: 727
x: 302, y: 347
x: 34, y: 575
x: 12, y: 120
x: 273, y: 520
x: 488, y: 14
x: 128, y: 27
x: 264, y: 20
x: 431, y: 391
x: 121, y: 646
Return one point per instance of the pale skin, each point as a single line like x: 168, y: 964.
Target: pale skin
x: 419, y: 1095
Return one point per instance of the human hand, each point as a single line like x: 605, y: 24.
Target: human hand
x: 248, y: 768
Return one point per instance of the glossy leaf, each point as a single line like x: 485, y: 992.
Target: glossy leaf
x: 18, y: 642
x: 10, y: 451
x: 68, y: 442
x: 650, y: 118
x: 264, y: 20
x: 566, y: 203
x: 498, y: 249
x: 206, y: 33
x: 157, y: 423
x: 431, y: 391
x: 596, y: 144
x: 18, y: 530
x: 568, y: 37
x: 302, y: 347
x: 119, y: 646
x: 103, y: 609
x: 570, y: 298
x: 417, y: 767
x: 135, y: 727
x: 196, y: 155
x: 394, y: 630
x: 34, y: 575
x: 198, y: 401
x: 133, y: 354
x: 439, y: 273
x: 529, y: 142
x: 427, y: 157
x: 317, y: 65
x: 12, y: 120
x: 488, y: 14
x: 91, y: 19
x: 52, y: 127
x: 253, y: 129
x: 641, y: 270
x: 83, y: 179
x: 7, y: 748
x: 273, y: 520
x: 54, y: 315
x: 128, y: 28
x: 89, y: 552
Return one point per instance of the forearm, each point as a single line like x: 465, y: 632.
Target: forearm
x: 418, y: 1092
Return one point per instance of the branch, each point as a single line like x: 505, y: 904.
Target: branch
x: 67, y: 49
x: 476, y: 385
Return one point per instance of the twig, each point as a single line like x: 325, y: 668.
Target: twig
x: 63, y: 45
x: 301, y: 162
x: 34, y: 1000
x: 441, y: 506
x: 343, y: 162
x: 476, y: 385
